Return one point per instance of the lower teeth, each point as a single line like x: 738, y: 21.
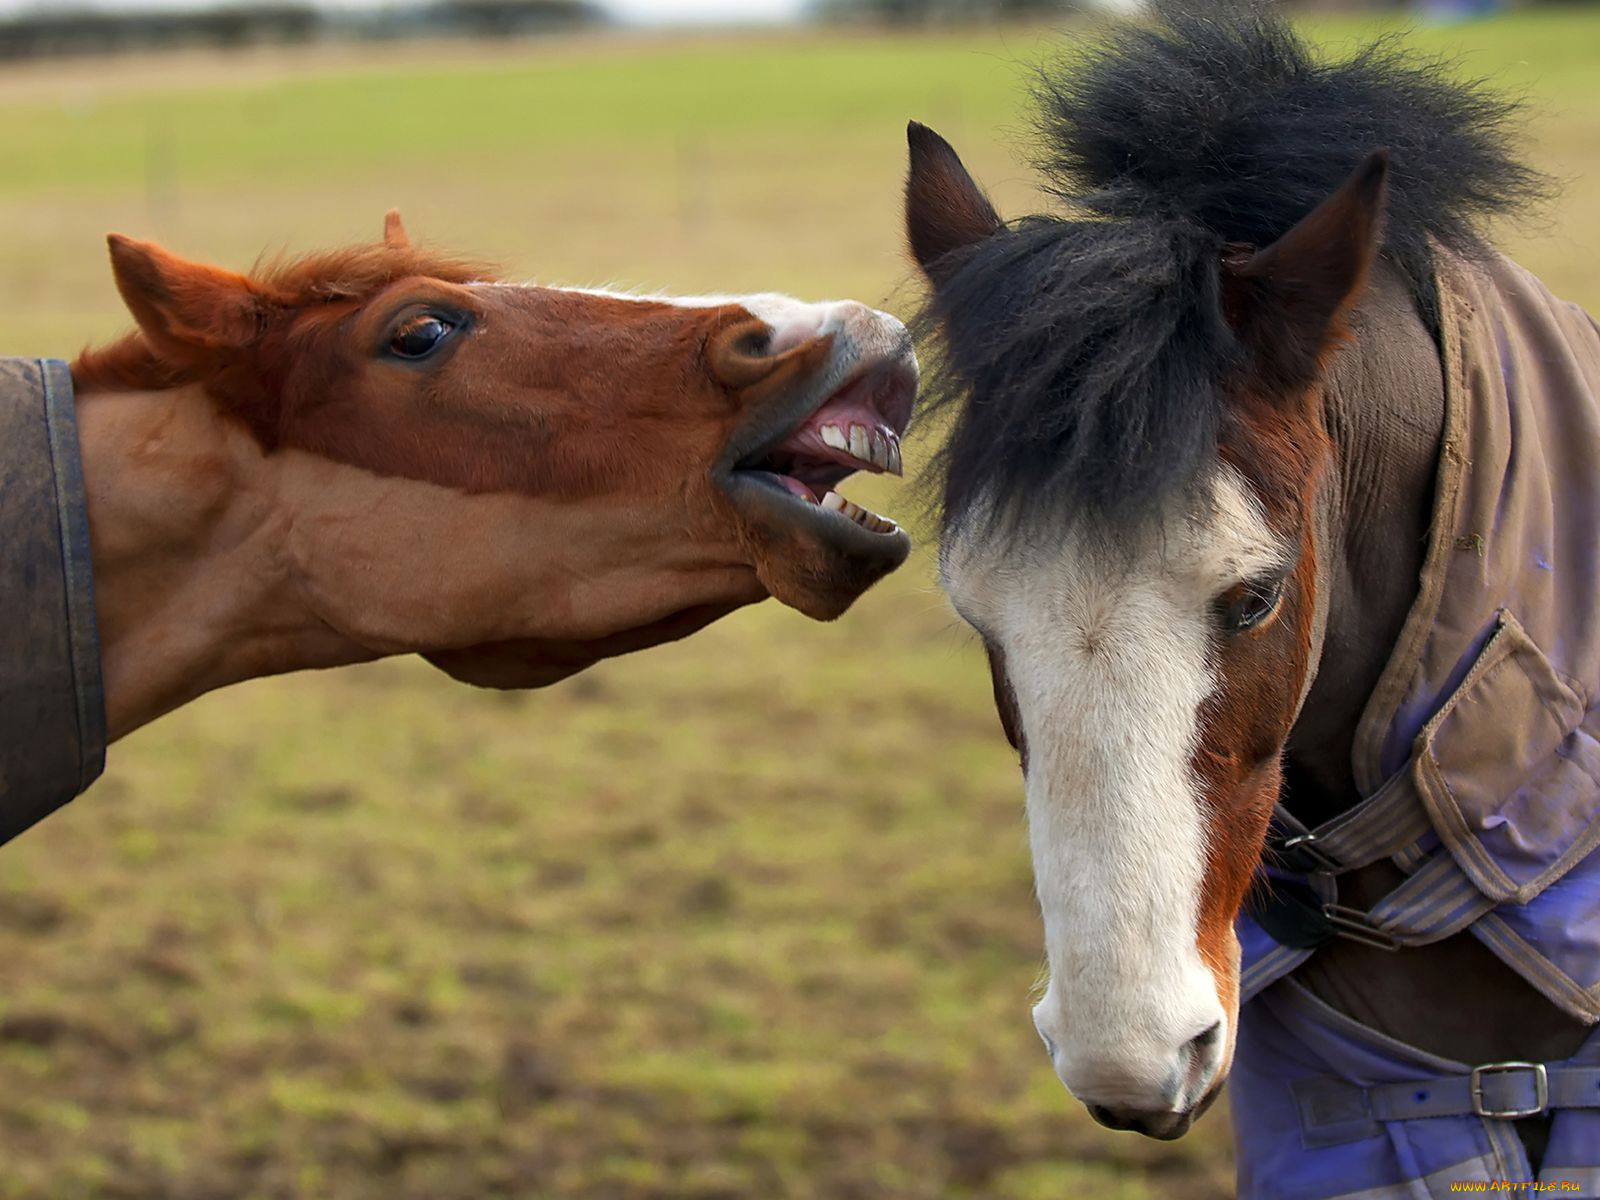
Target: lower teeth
x: 865, y: 518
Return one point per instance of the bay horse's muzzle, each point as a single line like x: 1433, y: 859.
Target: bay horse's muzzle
x: 1164, y: 1127
x: 1160, y: 1099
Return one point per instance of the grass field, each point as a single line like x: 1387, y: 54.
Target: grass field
x: 748, y: 917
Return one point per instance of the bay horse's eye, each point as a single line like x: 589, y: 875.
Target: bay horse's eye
x: 1247, y: 605
x: 420, y: 336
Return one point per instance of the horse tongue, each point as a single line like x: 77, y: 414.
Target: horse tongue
x: 795, y: 487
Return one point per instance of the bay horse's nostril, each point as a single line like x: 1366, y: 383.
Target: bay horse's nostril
x: 1202, y: 1059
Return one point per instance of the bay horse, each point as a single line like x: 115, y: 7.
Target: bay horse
x: 1270, y: 489
x: 385, y: 450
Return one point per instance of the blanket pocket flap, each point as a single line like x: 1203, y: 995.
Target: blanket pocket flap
x: 1508, y: 773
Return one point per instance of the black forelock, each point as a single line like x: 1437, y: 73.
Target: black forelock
x: 1087, y: 359
x: 1084, y: 357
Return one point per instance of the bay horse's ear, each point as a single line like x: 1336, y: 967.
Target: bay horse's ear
x: 394, y: 231
x: 187, y: 311
x: 945, y: 208
x: 1288, y: 301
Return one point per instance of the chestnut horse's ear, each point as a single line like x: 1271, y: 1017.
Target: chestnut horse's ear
x: 1288, y: 301
x: 394, y: 231
x: 187, y: 311
x: 945, y: 209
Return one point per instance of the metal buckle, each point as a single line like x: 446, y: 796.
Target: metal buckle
x: 1305, y: 843
x: 1541, y: 1090
x: 1356, y: 925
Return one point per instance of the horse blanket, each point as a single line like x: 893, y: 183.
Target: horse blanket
x: 1479, y: 759
x: 52, y: 711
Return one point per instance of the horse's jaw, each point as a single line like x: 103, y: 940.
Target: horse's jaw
x: 540, y: 662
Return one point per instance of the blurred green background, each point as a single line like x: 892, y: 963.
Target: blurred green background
x: 747, y: 917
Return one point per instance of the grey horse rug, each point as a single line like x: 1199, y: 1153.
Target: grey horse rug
x: 52, y: 711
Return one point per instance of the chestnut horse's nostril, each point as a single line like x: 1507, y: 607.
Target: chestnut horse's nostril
x: 1203, y: 1042
x: 741, y: 354
x: 788, y: 337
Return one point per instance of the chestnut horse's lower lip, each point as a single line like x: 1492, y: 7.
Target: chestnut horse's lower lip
x: 836, y: 522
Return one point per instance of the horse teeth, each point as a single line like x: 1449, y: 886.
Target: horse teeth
x: 865, y: 518
x: 860, y: 444
x: 879, y: 448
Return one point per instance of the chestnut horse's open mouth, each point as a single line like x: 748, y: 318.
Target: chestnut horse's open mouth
x: 856, y: 427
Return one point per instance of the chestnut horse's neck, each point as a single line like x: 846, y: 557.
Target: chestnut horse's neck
x: 1384, y: 412
x: 193, y: 584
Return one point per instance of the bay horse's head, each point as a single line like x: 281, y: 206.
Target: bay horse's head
x: 1139, y: 494
x: 519, y: 480
x: 1150, y: 648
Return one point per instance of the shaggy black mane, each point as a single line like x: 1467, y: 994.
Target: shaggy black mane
x: 1082, y: 356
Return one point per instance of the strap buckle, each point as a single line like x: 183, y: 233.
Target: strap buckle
x: 1541, y: 1090
x: 1303, y: 845
x: 1357, y: 925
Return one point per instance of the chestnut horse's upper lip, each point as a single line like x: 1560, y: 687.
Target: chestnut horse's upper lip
x: 767, y: 428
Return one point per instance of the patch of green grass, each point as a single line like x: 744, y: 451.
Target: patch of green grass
x: 453, y: 113
x: 749, y: 916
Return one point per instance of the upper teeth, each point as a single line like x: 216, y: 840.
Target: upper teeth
x: 877, y: 447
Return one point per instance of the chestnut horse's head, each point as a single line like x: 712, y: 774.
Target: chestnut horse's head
x: 1141, y: 518
x: 520, y: 480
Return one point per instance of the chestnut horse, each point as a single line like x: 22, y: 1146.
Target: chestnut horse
x: 383, y: 451
x: 1201, y: 478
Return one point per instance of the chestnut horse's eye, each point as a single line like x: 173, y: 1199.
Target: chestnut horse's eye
x: 420, y: 336
x: 1246, y: 606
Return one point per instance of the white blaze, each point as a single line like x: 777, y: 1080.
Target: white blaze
x: 1108, y: 646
